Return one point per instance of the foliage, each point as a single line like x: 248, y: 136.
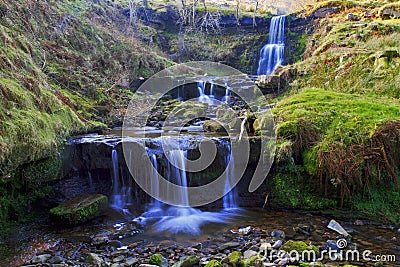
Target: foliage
x: 288, y: 189
x: 380, y: 202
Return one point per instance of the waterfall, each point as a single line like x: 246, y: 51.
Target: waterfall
x: 231, y: 195
x: 155, y: 187
x: 271, y: 54
x: 121, y: 195
x: 203, y: 97
x: 177, y: 172
x: 227, y: 93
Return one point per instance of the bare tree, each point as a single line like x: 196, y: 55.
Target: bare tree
x: 256, y: 4
x: 133, y: 13
x: 237, y: 12
x: 193, y: 21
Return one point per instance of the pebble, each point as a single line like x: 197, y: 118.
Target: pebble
x: 41, y: 258
x: 119, y: 258
x: 56, y: 259
x: 249, y: 253
x: 277, y: 244
x: 228, y: 245
x: 131, y: 261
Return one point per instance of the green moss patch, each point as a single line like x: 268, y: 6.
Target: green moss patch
x: 80, y: 209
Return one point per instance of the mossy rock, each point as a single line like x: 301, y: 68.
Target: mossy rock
x: 80, y: 209
x: 233, y: 258
x: 298, y: 246
x: 213, y: 126
x: 213, y: 263
x: 188, y: 262
x: 158, y: 259
x: 252, y: 261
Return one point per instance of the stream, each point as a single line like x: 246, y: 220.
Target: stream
x: 118, y: 239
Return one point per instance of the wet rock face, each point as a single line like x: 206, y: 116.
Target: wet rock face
x: 89, y: 169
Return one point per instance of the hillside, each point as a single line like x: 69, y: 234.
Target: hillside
x: 71, y: 67
x: 65, y: 68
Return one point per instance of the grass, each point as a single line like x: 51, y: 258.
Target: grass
x: 347, y: 118
x: 345, y: 142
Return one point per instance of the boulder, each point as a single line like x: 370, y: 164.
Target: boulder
x: 188, y: 262
x: 80, y: 209
x: 278, y: 81
x: 213, y: 126
x: 233, y: 259
x: 159, y: 260
x: 94, y: 259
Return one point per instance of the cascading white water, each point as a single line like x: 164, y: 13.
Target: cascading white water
x: 231, y: 194
x: 155, y: 187
x: 203, y: 97
x: 121, y: 195
x: 177, y: 171
x: 272, y: 54
x: 183, y: 219
x: 227, y: 93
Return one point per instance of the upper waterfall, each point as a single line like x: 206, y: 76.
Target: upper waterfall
x: 271, y: 54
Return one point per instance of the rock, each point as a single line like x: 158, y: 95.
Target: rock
x: 251, y: 261
x: 147, y: 265
x: 389, y: 12
x: 131, y: 261
x: 265, y: 246
x: 120, y: 258
x: 323, y: 12
x: 115, y: 265
x: 278, y: 81
x: 100, y: 240
x: 228, y: 245
x: 245, y: 230
x: 331, y: 245
x: 41, y: 258
x: 115, y: 243
x: 335, y: 226
x: 79, y: 209
x: 94, y: 258
x: 188, y: 262
x: 277, y: 244
x: 278, y: 234
x: 233, y: 258
x: 213, y: 126
x: 249, y: 253
x: 352, y: 17
x: 213, y: 263
x: 368, y: 14
x: 159, y: 260
x: 298, y: 246
x: 359, y: 223
x: 56, y: 259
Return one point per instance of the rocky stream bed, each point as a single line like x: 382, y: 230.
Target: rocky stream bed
x: 248, y: 238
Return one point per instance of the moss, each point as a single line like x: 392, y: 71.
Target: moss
x: 213, y: 263
x: 156, y: 259
x: 250, y: 261
x: 80, y: 209
x: 379, y: 202
x: 298, y: 246
x: 234, y: 257
x: 349, y: 118
x: 288, y: 189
